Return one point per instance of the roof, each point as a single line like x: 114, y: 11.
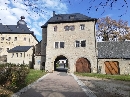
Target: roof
x: 19, y: 49
x: 61, y: 18
x: 15, y: 29
x: 113, y: 49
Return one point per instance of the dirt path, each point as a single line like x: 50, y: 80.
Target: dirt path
x: 106, y: 87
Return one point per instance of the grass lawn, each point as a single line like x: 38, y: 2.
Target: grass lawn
x: 31, y: 77
x: 115, y: 77
x: 34, y: 75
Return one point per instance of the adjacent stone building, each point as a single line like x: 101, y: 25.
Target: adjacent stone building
x: 70, y: 37
x: 15, y: 35
x: 114, y: 57
x: 21, y: 55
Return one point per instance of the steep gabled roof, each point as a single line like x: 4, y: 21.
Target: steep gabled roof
x: 20, y: 49
x: 61, y: 18
x: 114, y: 49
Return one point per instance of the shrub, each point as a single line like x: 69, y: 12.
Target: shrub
x: 13, y: 74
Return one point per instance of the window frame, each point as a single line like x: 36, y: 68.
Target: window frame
x: 24, y: 38
x: 59, y: 45
x: 55, y: 28
x: 82, y: 26
x: 72, y: 27
x: 2, y: 38
x: 83, y: 44
x: 80, y: 44
x: 77, y: 44
x: 16, y: 54
x: 15, y: 38
x: 56, y: 46
x: 9, y: 38
x: 66, y: 28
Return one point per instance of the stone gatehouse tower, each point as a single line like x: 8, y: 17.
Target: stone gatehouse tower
x: 70, y: 37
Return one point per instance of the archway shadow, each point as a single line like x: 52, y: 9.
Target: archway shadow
x: 61, y: 64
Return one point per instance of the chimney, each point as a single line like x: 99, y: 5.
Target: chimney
x: 53, y: 13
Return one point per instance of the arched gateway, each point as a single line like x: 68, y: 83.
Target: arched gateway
x: 61, y: 64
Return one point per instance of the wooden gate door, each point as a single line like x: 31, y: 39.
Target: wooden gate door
x: 112, y: 67
x: 83, y: 65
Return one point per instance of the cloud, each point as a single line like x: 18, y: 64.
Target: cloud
x: 12, y: 10
x: 36, y: 31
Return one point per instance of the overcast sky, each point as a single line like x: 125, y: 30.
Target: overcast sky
x: 10, y: 11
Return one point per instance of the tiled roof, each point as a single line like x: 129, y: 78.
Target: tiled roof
x: 14, y: 29
x: 20, y: 49
x: 114, y: 49
x: 60, y: 18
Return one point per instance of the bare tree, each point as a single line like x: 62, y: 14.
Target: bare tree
x: 112, y: 30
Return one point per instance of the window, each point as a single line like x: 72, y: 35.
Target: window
x: 2, y: 38
x: 66, y: 28
x: 56, y: 44
x: 77, y: 43
x: 1, y: 49
x: 12, y: 55
x: 59, y: 17
x: 59, y: 44
x: 17, y: 54
x: 72, y: 28
x: 20, y: 54
x: 72, y: 17
x: 55, y: 28
x: 80, y: 43
x: 9, y: 38
x: 83, y: 43
x: 7, y: 49
x: 15, y: 38
x: 82, y: 27
x: 24, y: 38
x: 29, y: 39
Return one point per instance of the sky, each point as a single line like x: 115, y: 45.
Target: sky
x: 12, y: 10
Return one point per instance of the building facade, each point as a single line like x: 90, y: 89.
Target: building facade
x: 21, y: 55
x: 15, y: 35
x: 70, y: 37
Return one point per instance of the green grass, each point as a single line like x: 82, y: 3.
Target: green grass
x: 34, y: 75
x: 115, y: 77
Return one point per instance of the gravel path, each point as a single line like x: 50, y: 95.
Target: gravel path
x: 106, y: 87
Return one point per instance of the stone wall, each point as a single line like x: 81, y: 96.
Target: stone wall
x: 43, y: 45
x: 124, y: 65
x: 71, y: 52
x: 37, y: 62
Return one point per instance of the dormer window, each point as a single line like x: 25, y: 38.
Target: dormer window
x: 55, y: 28
x: 72, y: 17
x: 82, y: 26
x: 59, y: 17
